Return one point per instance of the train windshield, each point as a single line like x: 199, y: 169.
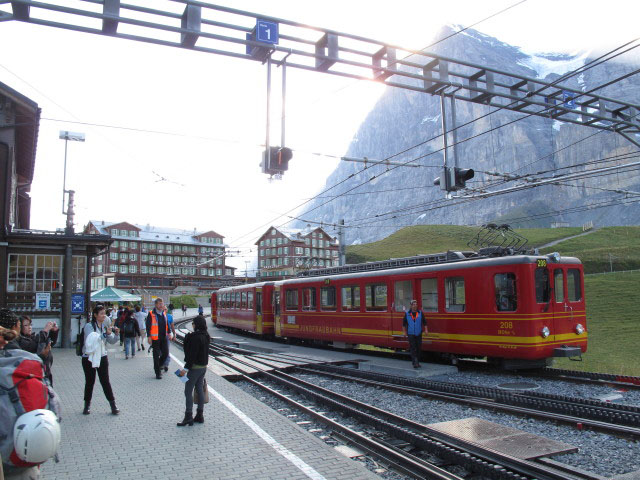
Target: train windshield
x: 542, y: 285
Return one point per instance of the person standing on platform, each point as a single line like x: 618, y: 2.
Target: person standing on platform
x: 413, y: 324
x: 131, y: 331
x: 95, y: 359
x: 157, y: 328
x: 200, y: 310
x: 170, y: 338
x: 196, y: 358
x: 39, y: 343
x: 140, y: 317
x: 184, y: 309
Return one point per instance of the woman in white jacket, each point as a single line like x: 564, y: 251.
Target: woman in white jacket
x: 94, y: 358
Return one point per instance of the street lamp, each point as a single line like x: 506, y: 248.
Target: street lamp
x: 74, y: 137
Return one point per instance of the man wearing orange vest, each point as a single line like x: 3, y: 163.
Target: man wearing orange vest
x: 157, y: 332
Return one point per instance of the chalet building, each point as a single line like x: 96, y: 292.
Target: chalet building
x: 284, y: 252
x: 43, y: 274
x: 157, y: 259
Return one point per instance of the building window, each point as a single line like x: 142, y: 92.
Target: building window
x: 285, y: 261
x: 169, y: 249
x: 285, y: 250
x: 307, y: 252
x: 144, y: 269
x: 113, y: 268
x: 124, y: 244
x: 133, y: 233
x: 133, y: 245
x: 307, y: 241
x: 78, y: 274
x: 152, y: 258
x: 133, y: 269
x: 279, y: 241
x: 454, y: 294
x: 114, y: 231
x: 123, y: 269
x: 99, y: 268
x: 299, y: 250
x: 123, y: 257
x: 279, y: 250
x: 273, y: 231
x: 219, y: 272
x: 203, y: 271
x: 113, y: 256
x: 133, y: 257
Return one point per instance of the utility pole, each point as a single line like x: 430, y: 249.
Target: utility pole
x: 341, y: 241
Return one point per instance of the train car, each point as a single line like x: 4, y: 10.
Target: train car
x: 519, y: 310
x: 245, y: 307
x: 516, y: 310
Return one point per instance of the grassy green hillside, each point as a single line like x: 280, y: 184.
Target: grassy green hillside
x: 594, y: 249
x: 612, y: 323
x: 440, y: 238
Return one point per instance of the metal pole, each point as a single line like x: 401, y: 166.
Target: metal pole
x: 454, y: 131
x: 284, y: 92
x: 342, y: 245
x: 444, y: 127
x: 70, y: 213
x: 266, y: 141
x: 66, y: 297
x: 64, y: 178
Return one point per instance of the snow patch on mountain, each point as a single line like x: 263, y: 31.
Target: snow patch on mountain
x: 544, y: 63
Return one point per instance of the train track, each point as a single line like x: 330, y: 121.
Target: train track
x: 611, y: 418
x: 471, y: 456
x: 575, y: 376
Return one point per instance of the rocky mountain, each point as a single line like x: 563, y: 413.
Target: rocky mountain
x: 395, y: 197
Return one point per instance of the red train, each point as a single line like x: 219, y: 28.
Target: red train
x: 518, y: 310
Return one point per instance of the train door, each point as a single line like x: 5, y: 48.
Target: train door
x: 258, y: 310
x: 276, y: 311
x: 214, y: 308
x: 567, y: 298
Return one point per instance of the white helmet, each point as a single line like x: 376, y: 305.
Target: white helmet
x: 36, y: 436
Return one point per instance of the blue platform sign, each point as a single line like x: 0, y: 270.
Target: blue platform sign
x: 267, y: 32
x: 77, y: 303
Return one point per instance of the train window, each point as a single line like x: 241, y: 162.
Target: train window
x: 542, y: 285
x: 376, y: 297
x: 454, y: 294
x: 328, y: 298
x: 309, y: 299
x: 505, y: 290
x: 573, y: 285
x: 558, y: 285
x: 291, y: 299
x: 350, y: 298
x: 429, y: 288
x: 403, y: 295
x: 258, y: 302
x: 243, y: 300
x: 237, y: 302
x: 250, y: 300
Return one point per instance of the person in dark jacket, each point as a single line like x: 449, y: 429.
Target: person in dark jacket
x: 157, y: 331
x: 413, y: 324
x: 39, y: 343
x: 130, y: 330
x: 196, y: 358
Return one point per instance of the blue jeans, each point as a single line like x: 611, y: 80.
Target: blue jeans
x: 129, y: 341
x: 168, y: 360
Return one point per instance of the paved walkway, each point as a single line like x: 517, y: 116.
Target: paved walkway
x: 240, y: 439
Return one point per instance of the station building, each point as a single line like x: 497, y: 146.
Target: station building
x: 283, y: 252
x: 159, y: 260
x: 43, y: 274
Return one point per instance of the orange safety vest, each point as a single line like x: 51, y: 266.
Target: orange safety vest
x: 154, y: 325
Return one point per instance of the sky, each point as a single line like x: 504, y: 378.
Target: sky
x: 174, y: 137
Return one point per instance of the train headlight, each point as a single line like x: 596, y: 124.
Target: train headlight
x: 579, y: 329
x: 544, y: 333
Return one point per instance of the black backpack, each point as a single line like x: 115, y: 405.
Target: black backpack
x: 80, y: 339
x: 129, y: 327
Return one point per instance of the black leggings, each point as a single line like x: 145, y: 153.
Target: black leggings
x: 90, y: 378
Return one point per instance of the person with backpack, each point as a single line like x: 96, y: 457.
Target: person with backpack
x: 140, y: 317
x: 196, y: 358
x: 39, y: 343
x: 131, y: 331
x: 29, y: 425
x: 95, y: 359
x: 122, y: 314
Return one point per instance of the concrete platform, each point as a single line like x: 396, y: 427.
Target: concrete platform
x: 392, y: 366
x: 240, y: 439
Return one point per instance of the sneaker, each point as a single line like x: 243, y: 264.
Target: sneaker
x: 159, y: 376
x: 126, y: 358
x: 166, y: 369
x: 133, y: 354
x: 143, y: 348
x: 138, y: 348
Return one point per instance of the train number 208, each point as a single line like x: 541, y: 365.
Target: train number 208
x: 506, y: 324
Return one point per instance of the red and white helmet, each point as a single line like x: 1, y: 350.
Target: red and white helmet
x: 36, y: 436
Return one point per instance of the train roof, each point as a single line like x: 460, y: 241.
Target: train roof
x: 464, y: 263
x: 252, y: 285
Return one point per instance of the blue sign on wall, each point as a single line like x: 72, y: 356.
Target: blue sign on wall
x: 77, y: 303
x: 267, y: 32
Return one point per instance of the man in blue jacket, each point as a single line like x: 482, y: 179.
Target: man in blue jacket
x: 413, y: 324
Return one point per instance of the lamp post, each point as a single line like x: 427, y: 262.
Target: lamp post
x: 74, y: 137
x: 65, y: 323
